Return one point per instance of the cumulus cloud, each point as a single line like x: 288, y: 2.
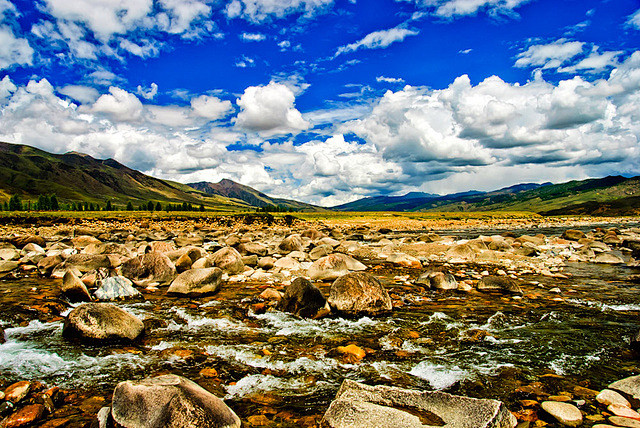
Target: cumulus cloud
x: 550, y: 55
x: 377, y: 40
x: 458, y: 8
x: 119, y: 104
x: 270, y: 109
x: 257, y: 11
x: 212, y: 108
x: 148, y: 94
x: 13, y: 49
x: 84, y: 94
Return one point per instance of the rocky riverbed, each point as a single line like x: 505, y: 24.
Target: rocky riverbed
x: 270, y: 315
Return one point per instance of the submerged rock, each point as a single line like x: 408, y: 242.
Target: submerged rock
x: 565, y: 413
x: 197, y: 282
x: 304, y: 299
x: 169, y: 401
x: 438, y: 280
x: 93, y: 322
x: 359, y: 293
x: 499, y: 283
x: 116, y: 288
x: 363, y: 406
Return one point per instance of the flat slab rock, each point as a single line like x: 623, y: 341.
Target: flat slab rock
x: 362, y: 406
x: 629, y: 386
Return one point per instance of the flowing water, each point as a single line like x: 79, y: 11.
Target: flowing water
x: 483, y: 345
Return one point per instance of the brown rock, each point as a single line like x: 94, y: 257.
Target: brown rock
x: 359, y: 293
x: 25, y: 416
x: 229, y: 260
x: 74, y: 289
x: 17, y: 391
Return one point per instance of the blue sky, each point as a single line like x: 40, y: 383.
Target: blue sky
x: 327, y: 101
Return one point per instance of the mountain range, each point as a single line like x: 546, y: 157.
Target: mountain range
x: 77, y: 177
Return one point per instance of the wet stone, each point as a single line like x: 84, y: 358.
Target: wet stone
x: 25, y: 416
x: 17, y: 391
x: 565, y: 413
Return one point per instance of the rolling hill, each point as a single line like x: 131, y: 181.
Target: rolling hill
x: 76, y: 177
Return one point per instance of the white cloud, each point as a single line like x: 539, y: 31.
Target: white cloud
x: 252, y: 37
x: 384, y: 79
x: 377, y: 40
x: 634, y: 20
x: 145, y: 49
x: 457, y: 8
x: 270, y: 109
x: 595, y: 62
x: 119, y: 104
x: 257, y: 11
x: 84, y: 94
x: 7, y: 87
x: 14, y: 51
x: 148, y: 94
x: 211, y: 108
x: 183, y: 13
x: 245, y: 62
x: 550, y: 55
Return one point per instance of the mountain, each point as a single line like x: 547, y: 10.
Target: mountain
x: 231, y: 189
x: 77, y: 177
x: 613, y: 195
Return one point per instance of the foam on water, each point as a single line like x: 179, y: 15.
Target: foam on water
x: 442, y: 318
x: 288, y: 325
x: 245, y: 355
x: 573, y: 364
x: 439, y: 376
x: 606, y: 306
x: 195, y: 322
x: 257, y: 383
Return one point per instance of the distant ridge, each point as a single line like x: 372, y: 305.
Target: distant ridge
x: 230, y: 189
x: 612, y: 195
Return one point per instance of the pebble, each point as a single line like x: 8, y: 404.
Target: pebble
x: 624, y: 422
x: 607, y: 397
x: 623, y: 411
x: 565, y: 413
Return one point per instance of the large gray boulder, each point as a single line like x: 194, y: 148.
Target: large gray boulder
x: 304, y: 299
x: 169, y: 401
x: 363, y: 406
x: 291, y: 243
x: 88, y: 262
x: 116, y: 288
x: 359, y: 293
x: 101, y: 322
x: 629, y: 387
x: 197, y: 282
x: 229, y: 260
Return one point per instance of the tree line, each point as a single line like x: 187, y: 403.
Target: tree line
x: 51, y: 203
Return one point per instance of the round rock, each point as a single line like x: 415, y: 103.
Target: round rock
x: 197, y: 282
x: 359, y: 292
x: 565, y: 413
x: 169, y: 401
x: 92, y: 322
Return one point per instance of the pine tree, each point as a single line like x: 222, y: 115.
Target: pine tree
x: 15, y: 204
x: 158, y: 207
x: 54, y: 203
x: 129, y: 206
x: 108, y: 207
x: 201, y: 208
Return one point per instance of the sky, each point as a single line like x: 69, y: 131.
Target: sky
x: 329, y: 101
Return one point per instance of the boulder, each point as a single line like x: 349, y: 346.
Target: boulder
x: 22, y: 240
x: 359, y: 293
x: 333, y: 266
x: 320, y: 251
x: 565, y: 413
x: 629, y: 387
x: 266, y: 263
x: 151, y: 266
x: 304, y: 299
x: 291, y: 243
x: 363, y: 406
x: 26, y: 416
x: 256, y: 248
x: 101, y: 322
x: 229, y: 260
x: 197, y: 282
x: 288, y: 263
x: 47, y: 264
x: 9, y: 254
x: 404, y: 260
x: 608, y: 258
x: 84, y: 241
x: 442, y: 281
x: 8, y: 265
x: 88, y: 262
x: 169, y: 401
x: 74, y: 289
x: 116, y: 288
x: 460, y: 254
x: 573, y: 235
x: 499, y: 283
